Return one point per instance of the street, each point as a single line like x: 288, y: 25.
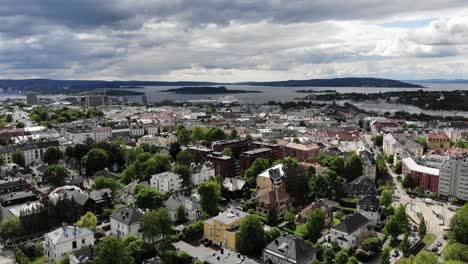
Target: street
x: 6, y: 256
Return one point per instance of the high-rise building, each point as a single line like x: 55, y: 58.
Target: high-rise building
x: 31, y: 98
x: 94, y: 100
x: 453, y: 179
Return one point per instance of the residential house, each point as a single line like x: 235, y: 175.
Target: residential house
x: 438, y: 140
x: 235, y: 188
x: 368, y: 163
x: 221, y: 229
x: 347, y: 233
x: 126, y: 221
x: 166, y: 182
x: 16, y: 198
x: 369, y: 207
x: 31, y: 151
x: 201, y: 172
x: 65, y: 240
x: 272, y: 200
x: 192, y: 207
x: 360, y: 187
x: 289, y: 249
x: 320, y: 204
x: 271, y: 178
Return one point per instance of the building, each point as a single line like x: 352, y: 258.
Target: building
x: 201, y: 172
x: 236, y: 145
x: 31, y: 98
x: 277, y: 149
x: 272, y: 200
x: 320, y: 204
x: 65, y: 240
x: 368, y: 163
x: 235, y: 188
x: 384, y: 126
x: 192, y: 207
x: 453, y: 179
x: 301, y: 152
x: 388, y: 144
x: 166, y: 182
x: 221, y: 229
x: 360, y: 187
x: 93, y: 100
x: 369, y: 207
x: 347, y: 233
x: 31, y: 151
x: 438, y: 140
x: 424, y: 176
x: 15, y: 198
x: 246, y: 158
x: 13, y: 185
x: 79, y: 135
x: 126, y: 221
x: 271, y: 178
x: 289, y: 249
x: 224, y: 166
x: 162, y: 140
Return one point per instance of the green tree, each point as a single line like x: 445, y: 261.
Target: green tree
x: 55, y: 175
x: 326, y: 184
x: 296, y: 141
x: 184, y: 172
x: 392, y: 228
x: 258, y: 166
x: 422, y: 228
x: 102, y: 182
x: 95, y: 160
x: 210, y: 196
x: 329, y: 256
x: 52, y: 155
x: 378, y: 140
x: 21, y: 258
x: 456, y: 252
x: 352, y: 167
x: 88, y: 220
x: 289, y: 216
x: 386, y: 255
x: 405, y: 245
x: 10, y: 227
x: 214, y: 134
x: 341, y: 257
x: 386, y: 197
x: 174, y: 149
x: 198, y: 134
x: 251, y: 236
x: 353, y: 260
x: 459, y: 225
x: 20, y: 125
x: 402, y: 219
x: 9, y: 118
x: 156, y: 224
x: 185, y: 157
x: 227, y: 151
x: 334, y: 163
x: 183, y: 136
x: 398, y: 167
x: 312, y: 229
x: 423, y: 142
x: 425, y: 257
x: 296, y: 181
x: 18, y: 158
x: 407, y: 181
x: 112, y: 250
x: 180, y: 214
x: 148, y: 197
x: 136, y: 246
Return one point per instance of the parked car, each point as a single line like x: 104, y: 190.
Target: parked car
x: 439, y: 244
x: 435, y: 249
x: 445, y: 236
x: 395, y: 253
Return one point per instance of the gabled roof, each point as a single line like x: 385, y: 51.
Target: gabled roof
x: 362, y: 186
x: 233, y: 184
x: 67, y: 233
x: 127, y: 215
x: 369, y: 203
x: 291, y: 247
x: 352, y: 223
x: 274, y: 173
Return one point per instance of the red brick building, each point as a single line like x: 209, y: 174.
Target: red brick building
x: 302, y: 152
x: 423, y: 176
x: 246, y: 158
x: 224, y: 165
x: 236, y: 145
x: 278, y: 150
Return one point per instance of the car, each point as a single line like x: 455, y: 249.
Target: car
x: 439, y: 244
x: 435, y: 249
x: 395, y: 253
x: 412, y: 196
x: 445, y: 236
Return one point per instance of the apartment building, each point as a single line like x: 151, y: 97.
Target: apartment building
x: 31, y: 151
x: 166, y: 182
x: 453, y: 179
x: 97, y: 134
x: 221, y: 229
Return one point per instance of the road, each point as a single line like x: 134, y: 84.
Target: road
x: 6, y: 256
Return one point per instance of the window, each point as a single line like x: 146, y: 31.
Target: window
x: 83, y: 241
x: 74, y: 244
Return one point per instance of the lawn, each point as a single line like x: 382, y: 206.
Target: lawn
x: 39, y: 260
x: 427, y: 240
x: 336, y: 221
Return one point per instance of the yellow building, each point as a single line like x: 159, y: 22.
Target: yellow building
x: 221, y: 229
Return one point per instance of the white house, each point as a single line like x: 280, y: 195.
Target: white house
x: 388, y: 144
x: 31, y: 151
x: 66, y: 239
x: 346, y: 234
x: 191, y: 206
x: 126, y: 221
x: 369, y: 207
x: 202, y: 172
x: 166, y: 182
x: 79, y: 135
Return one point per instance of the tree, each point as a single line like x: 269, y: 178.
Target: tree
x: 112, y: 250
x: 334, y: 163
x: 422, y: 228
x: 423, y: 142
x: 214, y: 134
x: 21, y: 258
x: 183, y: 136
x: 184, y: 158
x: 314, y: 224
x: 289, y: 216
x: 156, y: 224
x: 353, y: 167
x: 392, y: 228
x: 102, y: 182
x: 20, y: 125
x: 95, y: 160
x: 174, y: 149
x: 326, y: 184
x: 180, y: 214
x: 251, y: 236
x: 459, y: 225
x: 341, y: 257
x: 18, y: 158
x: 184, y: 172
x: 210, y: 194
x: 402, y: 219
x: 425, y: 257
x: 148, y: 197
x: 198, y: 134
x: 398, y: 167
x: 296, y: 181
x: 386, y: 197
x: 296, y: 141
x: 9, y: 118
x: 378, y: 140
x: 386, y: 255
x: 456, y: 252
x: 405, y: 245
x: 227, y: 151
x: 55, y: 175
x: 88, y: 220
x: 353, y: 260
x: 407, y: 181
x: 52, y: 155
x: 10, y: 227
x: 258, y: 166
x: 329, y: 256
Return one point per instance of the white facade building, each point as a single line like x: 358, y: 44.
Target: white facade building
x: 453, y: 179
x: 166, y: 182
x: 125, y: 222
x: 388, y: 145
x: 66, y: 239
x: 191, y: 206
x: 202, y: 172
x: 31, y: 151
x: 346, y: 234
x: 162, y: 140
x: 97, y: 134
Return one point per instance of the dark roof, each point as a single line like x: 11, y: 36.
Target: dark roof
x: 83, y: 255
x: 74, y: 180
x: 28, y: 146
x: 16, y: 195
x: 291, y: 247
x: 127, y: 215
x: 352, y: 223
x: 106, y: 173
x: 12, y: 184
x: 367, y: 156
x: 361, y: 186
x: 369, y: 203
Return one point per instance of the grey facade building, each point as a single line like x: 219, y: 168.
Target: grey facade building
x: 289, y: 249
x: 31, y: 98
x: 453, y: 179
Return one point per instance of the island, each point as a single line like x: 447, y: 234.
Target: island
x: 207, y: 90
x: 316, y: 91
x: 112, y: 92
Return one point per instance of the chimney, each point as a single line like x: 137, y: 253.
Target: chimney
x: 222, y: 250
x: 276, y: 242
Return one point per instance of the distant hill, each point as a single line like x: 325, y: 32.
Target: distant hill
x: 50, y: 85
x: 443, y: 81
x: 207, y: 90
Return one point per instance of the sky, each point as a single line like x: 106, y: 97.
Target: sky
x: 233, y: 40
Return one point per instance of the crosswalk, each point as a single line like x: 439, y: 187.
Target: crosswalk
x: 6, y: 260
x: 6, y: 256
